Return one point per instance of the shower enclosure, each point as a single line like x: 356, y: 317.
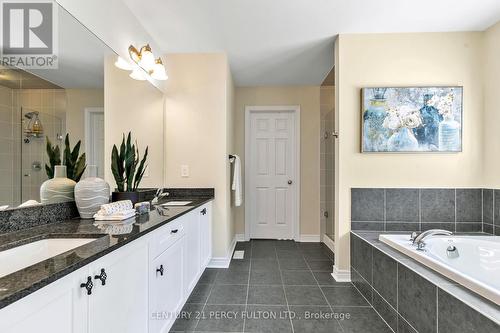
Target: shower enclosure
x: 36, y: 126
x: 327, y: 151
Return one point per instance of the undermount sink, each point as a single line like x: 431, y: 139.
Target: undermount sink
x: 23, y: 256
x: 177, y: 203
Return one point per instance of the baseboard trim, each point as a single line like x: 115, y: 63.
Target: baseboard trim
x: 240, y: 237
x: 223, y: 262
x: 341, y: 275
x: 310, y: 238
x: 329, y: 243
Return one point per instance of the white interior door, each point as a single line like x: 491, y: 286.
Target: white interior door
x: 94, y: 139
x: 271, y: 167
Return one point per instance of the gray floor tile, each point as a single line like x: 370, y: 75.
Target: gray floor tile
x: 264, y: 265
x: 297, y: 295
x: 208, y: 276
x: 228, y: 294
x: 232, y: 277
x: 317, y: 319
x: 271, y: 295
x: 316, y: 255
x: 200, y: 293
x: 321, y: 265
x: 295, y: 277
x: 239, y: 265
x: 288, y: 254
x: 285, y: 245
x: 188, y: 318
x: 265, y: 277
x: 268, y: 319
x: 344, y: 296
x: 297, y: 263
x: 362, y: 320
x: 214, y: 321
x: 264, y: 253
x: 326, y: 279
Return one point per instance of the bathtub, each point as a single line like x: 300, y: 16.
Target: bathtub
x: 475, y: 264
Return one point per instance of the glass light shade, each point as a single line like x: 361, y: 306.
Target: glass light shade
x: 147, y: 59
x: 123, y: 64
x: 134, y: 54
x: 159, y: 72
x: 138, y: 74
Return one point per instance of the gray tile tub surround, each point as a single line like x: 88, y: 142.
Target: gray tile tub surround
x: 491, y: 211
x: 417, y: 209
x: 413, y: 298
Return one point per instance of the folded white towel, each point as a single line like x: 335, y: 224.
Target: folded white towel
x: 236, y: 186
x: 118, y: 216
x: 115, y: 207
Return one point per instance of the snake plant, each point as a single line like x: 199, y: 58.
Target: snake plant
x: 74, y: 162
x: 125, y: 165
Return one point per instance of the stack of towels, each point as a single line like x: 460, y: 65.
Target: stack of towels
x: 115, y: 211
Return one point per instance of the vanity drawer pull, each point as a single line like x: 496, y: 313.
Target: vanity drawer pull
x: 103, y: 276
x: 174, y: 231
x: 88, y: 285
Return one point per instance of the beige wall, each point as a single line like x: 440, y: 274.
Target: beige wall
x: 491, y: 106
x: 308, y: 97
x: 404, y: 60
x: 135, y: 106
x: 76, y: 102
x: 198, y: 104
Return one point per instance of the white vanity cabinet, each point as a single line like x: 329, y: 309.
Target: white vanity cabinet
x: 119, y: 301
x: 60, y: 307
x: 139, y: 287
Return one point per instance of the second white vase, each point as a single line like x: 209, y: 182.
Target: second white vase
x: 91, y: 193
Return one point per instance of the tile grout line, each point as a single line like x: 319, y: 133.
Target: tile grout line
x: 419, y: 210
x: 206, y: 301
x: 324, y: 296
x: 455, y: 207
x: 284, y: 291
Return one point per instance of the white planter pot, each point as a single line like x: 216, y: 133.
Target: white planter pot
x: 58, y: 189
x: 91, y: 193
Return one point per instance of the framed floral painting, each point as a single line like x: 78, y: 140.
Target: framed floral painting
x: 412, y: 119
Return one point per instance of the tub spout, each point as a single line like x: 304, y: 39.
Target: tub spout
x: 419, y: 240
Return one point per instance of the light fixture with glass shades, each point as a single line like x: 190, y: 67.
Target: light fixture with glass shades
x: 144, y: 63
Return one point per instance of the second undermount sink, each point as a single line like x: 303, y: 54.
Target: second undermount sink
x: 177, y: 203
x: 23, y: 256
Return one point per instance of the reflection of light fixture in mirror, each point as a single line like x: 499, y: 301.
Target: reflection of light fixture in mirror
x: 145, y: 60
x: 138, y: 74
x: 123, y: 64
x: 159, y: 72
x: 33, y: 126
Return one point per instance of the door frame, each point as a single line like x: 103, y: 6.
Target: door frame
x: 295, y: 109
x: 88, y: 138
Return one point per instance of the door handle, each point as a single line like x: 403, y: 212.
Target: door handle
x: 290, y: 182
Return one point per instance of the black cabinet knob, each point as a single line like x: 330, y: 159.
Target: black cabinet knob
x: 174, y: 231
x: 88, y: 285
x: 103, y: 276
x: 203, y: 211
x: 160, y: 270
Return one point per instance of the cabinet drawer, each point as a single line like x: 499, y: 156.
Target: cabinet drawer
x: 167, y: 235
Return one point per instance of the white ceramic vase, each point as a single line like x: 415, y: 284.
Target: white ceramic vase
x: 91, y: 193
x: 58, y: 189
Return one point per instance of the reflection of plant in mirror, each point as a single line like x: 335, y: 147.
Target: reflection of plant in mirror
x: 126, y: 167
x: 75, y: 163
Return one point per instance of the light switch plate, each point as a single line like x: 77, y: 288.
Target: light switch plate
x: 184, y: 170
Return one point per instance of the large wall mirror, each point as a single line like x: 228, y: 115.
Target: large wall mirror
x: 38, y: 106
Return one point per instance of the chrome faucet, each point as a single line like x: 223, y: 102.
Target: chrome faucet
x: 418, y: 239
x: 160, y: 193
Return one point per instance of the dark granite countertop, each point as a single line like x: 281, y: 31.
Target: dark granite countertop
x: 481, y: 304
x: 108, y: 238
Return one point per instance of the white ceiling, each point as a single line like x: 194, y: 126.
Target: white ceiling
x: 290, y: 42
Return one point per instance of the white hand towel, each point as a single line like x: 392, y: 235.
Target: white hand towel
x: 115, y: 207
x: 236, y: 186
